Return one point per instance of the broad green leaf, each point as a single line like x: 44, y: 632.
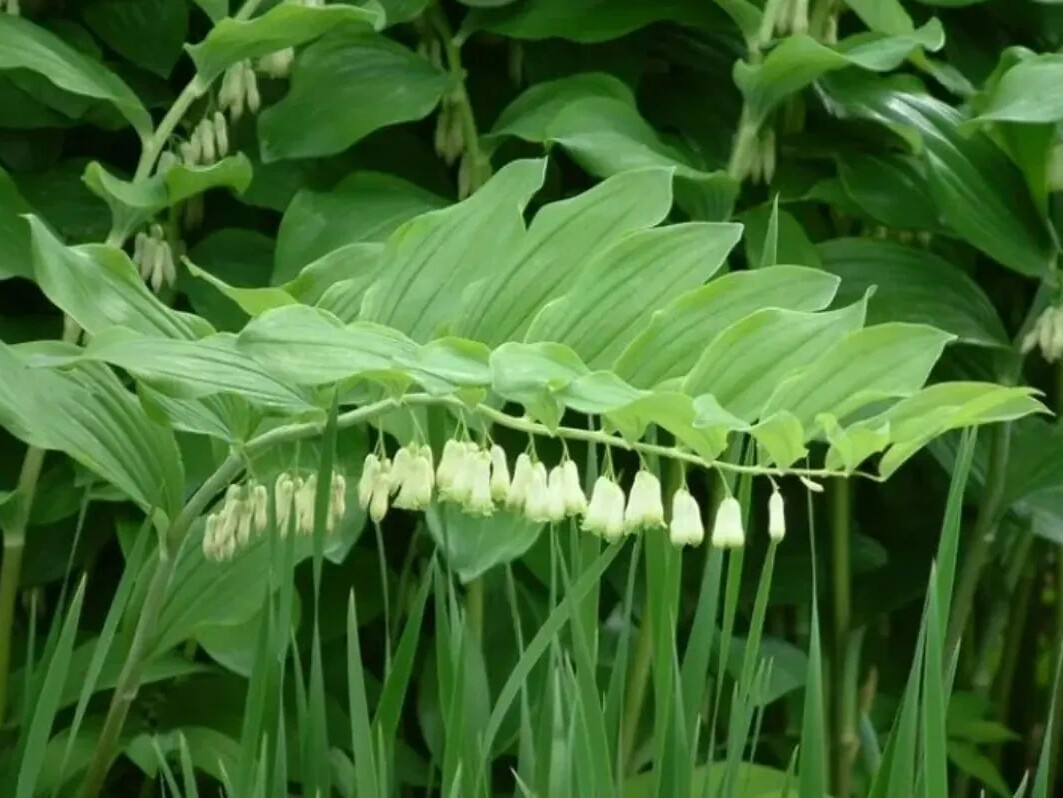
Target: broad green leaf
x: 800, y: 60
x: 890, y: 188
x: 746, y: 362
x: 560, y: 242
x: 792, y: 244
x: 1030, y: 91
x: 14, y: 232
x: 878, y: 362
x: 978, y: 191
x: 883, y: 16
x: 533, y: 374
x: 193, y: 369
x: 968, y: 759
x: 473, y: 545
x: 913, y: 285
x: 613, y: 297
x: 239, y: 256
x: 252, y: 301
x: 87, y: 413
x: 780, y: 440
x: 98, y: 286
x: 589, y: 20
x: 215, y: 9
x: 600, y: 127
x: 850, y: 447
x: 149, y: 33
x: 343, y: 88
x: 24, y: 45
x: 133, y: 203
x: 365, y: 206
x: 673, y: 341
x: 284, y: 25
x: 432, y: 259
x: 60, y: 197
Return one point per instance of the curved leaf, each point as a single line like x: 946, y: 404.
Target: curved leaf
x: 147, y: 32
x: 15, y: 250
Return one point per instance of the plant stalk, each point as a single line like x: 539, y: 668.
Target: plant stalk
x: 841, y: 703
x: 635, y: 694
x: 982, y: 537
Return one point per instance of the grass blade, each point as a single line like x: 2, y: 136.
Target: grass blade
x: 365, y: 774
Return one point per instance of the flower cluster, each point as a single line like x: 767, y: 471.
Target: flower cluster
x: 244, y: 512
x: 209, y: 141
x: 478, y: 480
x: 154, y: 259
x: 239, y: 90
x: 1046, y: 334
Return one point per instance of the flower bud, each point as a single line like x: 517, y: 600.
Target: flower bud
x: 243, y: 525
x: 686, y: 528
x: 517, y: 495
x: 210, y: 536
x: 251, y: 95
x: 499, y: 474
x: 575, y: 500
x: 205, y: 134
x: 556, y: 494
x: 605, y: 513
x: 644, y: 506
x: 283, y: 495
x: 304, y: 505
x: 221, y: 134
x: 370, y: 469
x: 776, y: 517
x: 378, y: 506
x: 727, y: 530
x: 166, y: 162
x: 277, y: 64
x: 259, y: 498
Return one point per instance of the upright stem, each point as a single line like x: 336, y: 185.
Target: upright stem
x: 840, y: 702
x: 982, y: 537
x: 636, y: 691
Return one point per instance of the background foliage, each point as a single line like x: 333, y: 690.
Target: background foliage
x: 785, y: 234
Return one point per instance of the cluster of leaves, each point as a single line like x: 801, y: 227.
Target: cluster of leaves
x: 386, y: 253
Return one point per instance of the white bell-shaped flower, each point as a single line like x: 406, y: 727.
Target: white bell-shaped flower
x: 479, y: 480
x: 210, y: 536
x: 499, y: 474
x: 305, y: 499
x: 727, y: 532
x: 776, y: 517
x: 378, y: 504
x: 644, y: 505
x: 556, y: 494
x: 450, y: 465
x: 259, y: 510
x: 416, y: 490
x: 537, y: 504
x: 686, y: 528
x: 605, y: 513
x: 283, y: 497
x: 517, y: 495
x: 246, y: 515
x: 400, y: 467
x: 575, y: 500
x: 337, y: 505
x: 461, y: 486
x: 370, y: 469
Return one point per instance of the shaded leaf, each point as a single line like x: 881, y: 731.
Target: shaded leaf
x: 149, y: 33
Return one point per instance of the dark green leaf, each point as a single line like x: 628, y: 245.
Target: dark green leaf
x: 14, y: 231
x: 149, y: 33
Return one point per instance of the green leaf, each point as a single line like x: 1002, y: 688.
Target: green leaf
x: 978, y: 191
x: 1030, y: 91
x: 533, y: 374
x: 850, y: 447
x: 812, y: 757
x: 215, y: 9
x: 343, y: 88
x: 60, y: 197
x: 780, y: 439
x: 605, y: 134
x: 800, y: 60
x: 433, y: 258
x: 87, y: 413
x: 14, y: 232
x: 672, y: 342
x: 745, y: 363
x: 562, y: 238
x: 192, y: 369
x: 149, y: 33
x: 24, y: 45
x: 133, y: 203
x: 968, y: 759
x: 913, y: 285
x: 792, y: 242
x: 878, y: 362
x: 884, y: 16
x: 284, y: 25
x: 588, y: 20
x: 473, y: 545
x: 75, y: 278
x: 890, y: 188
x: 364, y: 206
x: 615, y: 294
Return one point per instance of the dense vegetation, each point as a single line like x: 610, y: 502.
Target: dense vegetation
x: 531, y: 397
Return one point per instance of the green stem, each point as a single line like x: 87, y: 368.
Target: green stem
x: 474, y: 608
x: 982, y: 537
x: 841, y: 704
x: 636, y: 691
x: 744, y: 148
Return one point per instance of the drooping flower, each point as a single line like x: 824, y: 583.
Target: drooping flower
x: 686, y: 528
x: 378, y: 504
x: 556, y: 494
x: 400, y: 468
x: 337, y: 506
x: 283, y: 497
x: 776, y: 517
x: 575, y: 500
x: 479, y: 481
x: 259, y: 504
x: 416, y: 490
x: 644, y: 505
x: 727, y: 529
x: 517, y: 496
x: 305, y: 499
x: 449, y: 464
x: 370, y: 469
x: 537, y: 504
x: 605, y: 513
x: 499, y: 474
